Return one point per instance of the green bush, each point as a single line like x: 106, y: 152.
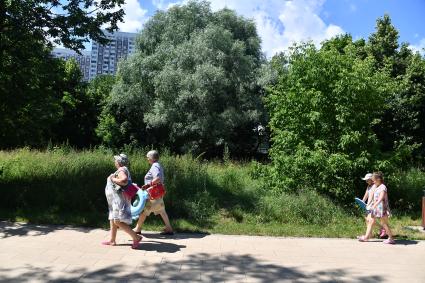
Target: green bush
x: 405, y: 190
x: 201, y: 207
x: 303, y: 207
x: 320, y: 139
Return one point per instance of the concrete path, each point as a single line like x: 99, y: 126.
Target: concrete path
x: 33, y: 253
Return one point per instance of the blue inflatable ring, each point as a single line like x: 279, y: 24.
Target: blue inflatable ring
x: 361, y: 204
x: 138, y: 205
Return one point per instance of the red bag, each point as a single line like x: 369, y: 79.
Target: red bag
x: 130, y: 191
x: 156, y: 191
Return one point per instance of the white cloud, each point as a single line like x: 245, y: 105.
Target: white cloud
x: 135, y: 16
x: 161, y: 5
x: 420, y: 47
x: 271, y: 37
x: 281, y: 23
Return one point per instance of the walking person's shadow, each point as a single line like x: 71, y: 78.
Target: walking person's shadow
x: 160, y: 247
x: 176, y: 236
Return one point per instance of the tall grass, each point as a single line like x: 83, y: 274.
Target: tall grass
x: 66, y: 186
x: 66, y: 181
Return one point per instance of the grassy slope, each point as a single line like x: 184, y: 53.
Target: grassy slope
x: 239, y: 207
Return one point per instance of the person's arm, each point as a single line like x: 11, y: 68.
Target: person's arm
x: 155, y: 180
x: 366, y: 196
x: 151, y: 183
x: 121, y: 179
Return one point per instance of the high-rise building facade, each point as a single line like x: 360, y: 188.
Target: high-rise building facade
x: 83, y: 59
x: 104, y: 58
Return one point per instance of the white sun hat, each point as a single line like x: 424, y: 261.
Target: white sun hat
x: 368, y: 176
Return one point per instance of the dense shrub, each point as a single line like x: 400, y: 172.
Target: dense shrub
x: 322, y: 113
x: 405, y: 190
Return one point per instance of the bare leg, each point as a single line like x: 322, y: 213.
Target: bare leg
x: 164, y: 217
x: 113, y: 231
x: 384, y: 222
x: 379, y: 225
x: 370, y: 223
x: 112, y: 234
x: 127, y: 229
x: 142, y: 218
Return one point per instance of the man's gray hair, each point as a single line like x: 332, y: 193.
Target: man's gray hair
x: 153, y: 154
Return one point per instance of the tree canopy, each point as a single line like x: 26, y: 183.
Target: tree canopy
x: 344, y: 109
x: 70, y: 23
x: 191, y: 85
x: 322, y: 113
x: 31, y: 81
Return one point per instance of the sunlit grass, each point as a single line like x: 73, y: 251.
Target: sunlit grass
x: 63, y: 186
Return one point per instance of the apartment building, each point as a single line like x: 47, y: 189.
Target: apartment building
x: 83, y: 59
x: 104, y: 58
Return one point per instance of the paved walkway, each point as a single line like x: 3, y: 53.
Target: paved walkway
x: 33, y: 253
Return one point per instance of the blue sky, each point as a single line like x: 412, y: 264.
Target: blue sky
x: 282, y: 22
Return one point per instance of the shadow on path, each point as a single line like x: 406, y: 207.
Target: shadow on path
x: 160, y: 247
x: 156, y: 246
x: 10, y: 229
x: 406, y: 242
x: 199, y: 267
x: 177, y: 236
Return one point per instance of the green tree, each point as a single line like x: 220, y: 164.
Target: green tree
x: 192, y: 83
x: 30, y: 80
x: 322, y: 111
x: 410, y: 110
x: 99, y: 90
x: 383, y: 43
x: 79, y: 110
x: 29, y: 101
x: 70, y: 23
x: 339, y: 43
x: 401, y: 127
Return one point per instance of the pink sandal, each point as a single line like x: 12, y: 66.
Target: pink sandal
x: 135, y: 244
x: 389, y: 241
x: 362, y: 238
x: 383, y: 234
x: 108, y: 243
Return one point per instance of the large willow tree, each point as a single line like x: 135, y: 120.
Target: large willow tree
x: 191, y: 85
